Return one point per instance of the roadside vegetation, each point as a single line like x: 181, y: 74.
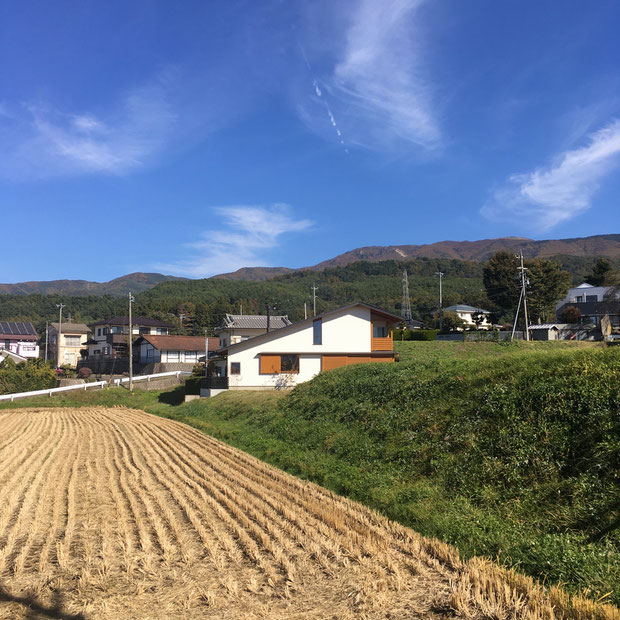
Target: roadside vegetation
x: 506, y: 451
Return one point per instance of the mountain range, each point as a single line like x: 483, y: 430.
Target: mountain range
x: 134, y: 282
x: 595, y: 246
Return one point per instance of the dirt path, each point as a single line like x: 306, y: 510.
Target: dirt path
x: 114, y: 513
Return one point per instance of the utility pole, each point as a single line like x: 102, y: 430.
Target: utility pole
x: 314, y: 290
x: 524, y: 282
x: 268, y: 319
x: 131, y: 299
x: 61, y: 306
x: 406, y: 305
x: 206, y: 351
x: 441, y: 274
x: 305, y: 310
x: 46, y: 338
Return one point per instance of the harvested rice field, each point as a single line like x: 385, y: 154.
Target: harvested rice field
x: 115, y: 513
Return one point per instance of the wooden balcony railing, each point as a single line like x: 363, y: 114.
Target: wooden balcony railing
x: 382, y: 344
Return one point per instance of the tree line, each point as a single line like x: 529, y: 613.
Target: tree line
x: 194, y: 306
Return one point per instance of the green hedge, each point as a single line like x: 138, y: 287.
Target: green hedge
x: 415, y: 334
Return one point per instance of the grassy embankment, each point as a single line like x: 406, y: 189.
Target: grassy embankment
x: 509, y: 451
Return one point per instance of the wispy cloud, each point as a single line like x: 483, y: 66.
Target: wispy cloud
x: 249, y: 233
x: 548, y: 196
x: 38, y: 141
x: 377, y: 86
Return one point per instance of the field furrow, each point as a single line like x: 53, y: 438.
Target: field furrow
x: 114, y: 513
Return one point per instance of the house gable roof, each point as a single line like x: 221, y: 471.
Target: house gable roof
x: 137, y: 321
x: 179, y: 343
x: 253, y: 321
x: 466, y: 308
x: 72, y: 328
x: 394, y: 318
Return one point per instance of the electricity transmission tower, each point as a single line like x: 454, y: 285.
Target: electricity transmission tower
x: 406, y: 305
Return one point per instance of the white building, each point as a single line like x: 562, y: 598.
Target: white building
x: 239, y: 327
x: 466, y: 313
x: 585, y: 293
x: 19, y: 338
x: 110, y: 337
x: 172, y: 349
x: 293, y: 354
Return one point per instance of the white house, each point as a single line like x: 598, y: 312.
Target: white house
x: 354, y: 334
x: 172, y: 349
x: 238, y: 327
x: 19, y: 338
x: 593, y: 303
x: 466, y: 313
x: 110, y: 336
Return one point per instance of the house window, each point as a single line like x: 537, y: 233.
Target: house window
x: 97, y: 352
x: 191, y: 356
x: 105, y: 331
x: 162, y: 331
x: 72, y: 341
x: 173, y: 356
x: 150, y: 354
x: 235, y: 368
x: 317, y: 331
x: 591, y: 298
x: 289, y: 363
x: 379, y: 331
x: 579, y: 299
x: 99, y: 331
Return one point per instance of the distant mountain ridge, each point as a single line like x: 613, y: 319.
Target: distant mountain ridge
x: 595, y: 246
x: 481, y: 250
x: 134, y: 282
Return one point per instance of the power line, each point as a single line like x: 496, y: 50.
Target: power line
x: 406, y: 305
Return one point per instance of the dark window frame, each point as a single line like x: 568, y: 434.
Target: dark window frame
x: 289, y: 363
x: 235, y: 368
x: 317, y: 331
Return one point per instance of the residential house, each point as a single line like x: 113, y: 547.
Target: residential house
x: 594, y: 302
x: 173, y: 349
x: 466, y: 313
x: 72, y: 338
x: 110, y: 337
x: 240, y: 327
x: 354, y: 334
x: 19, y: 338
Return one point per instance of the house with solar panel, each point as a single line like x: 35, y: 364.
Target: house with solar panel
x: 19, y: 338
x: 67, y: 342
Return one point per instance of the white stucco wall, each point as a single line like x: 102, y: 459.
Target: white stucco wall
x: 343, y: 332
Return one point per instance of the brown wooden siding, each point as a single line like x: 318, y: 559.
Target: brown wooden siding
x: 336, y: 361
x: 269, y: 364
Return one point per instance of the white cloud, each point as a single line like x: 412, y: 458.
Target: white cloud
x: 249, y: 233
x: 40, y: 142
x: 563, y: 190
x: 376, y: 87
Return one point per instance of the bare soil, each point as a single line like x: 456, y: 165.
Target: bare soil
x: 115, y: 513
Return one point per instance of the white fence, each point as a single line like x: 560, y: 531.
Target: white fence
x: 94, y: 384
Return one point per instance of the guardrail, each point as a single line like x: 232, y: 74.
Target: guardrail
x: 94, y: 384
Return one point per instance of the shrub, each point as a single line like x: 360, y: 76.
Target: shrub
x: 34, y: 374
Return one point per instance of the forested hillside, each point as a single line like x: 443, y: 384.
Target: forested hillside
x: 203, y: 302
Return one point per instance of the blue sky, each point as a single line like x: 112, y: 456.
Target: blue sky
x: 195, y: 138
